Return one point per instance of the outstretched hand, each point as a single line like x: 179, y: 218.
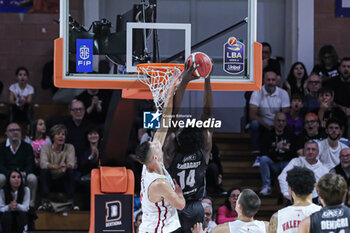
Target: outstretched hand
x: 198, y: 228
x: 187, y: 74
x: 174, y: 82
x: 178, y: 189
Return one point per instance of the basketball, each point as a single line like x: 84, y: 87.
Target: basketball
x: 203, y: 62
x: 232, y: 40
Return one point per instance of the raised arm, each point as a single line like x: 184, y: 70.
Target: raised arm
x: 207, y: 113
x: 167, y: 109
x: 162, y: 190
x: 186, y: 78
x: 169, y: 145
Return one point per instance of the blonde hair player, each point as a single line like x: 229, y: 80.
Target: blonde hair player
x: 247, y: 206
x: 160, y: 196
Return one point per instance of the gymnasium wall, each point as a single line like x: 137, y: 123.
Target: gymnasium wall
x: 329, y: 29
x: 27, y: 40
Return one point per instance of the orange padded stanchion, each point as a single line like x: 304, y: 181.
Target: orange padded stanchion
x: 115, y: 182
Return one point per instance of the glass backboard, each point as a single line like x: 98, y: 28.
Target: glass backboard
x: 128, y: 33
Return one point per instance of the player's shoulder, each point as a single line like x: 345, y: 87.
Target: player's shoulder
x: 222, y: 228
x: 304, y: 225
x: 159, y: 184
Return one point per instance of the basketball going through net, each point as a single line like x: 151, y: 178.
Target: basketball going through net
x: 157, y: 77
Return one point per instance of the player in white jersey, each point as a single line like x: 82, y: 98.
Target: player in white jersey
x: 248, y: 204
x: 301, y: 182
x: 160, y: 197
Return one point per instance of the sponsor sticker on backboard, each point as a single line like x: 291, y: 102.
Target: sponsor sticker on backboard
x: 234, y: 56
x: 84, y: 55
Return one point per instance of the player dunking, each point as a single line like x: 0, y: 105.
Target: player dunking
x: 160, y: 197
x: 334, y: 217
x: 186, y: 155
x: 301, y: 182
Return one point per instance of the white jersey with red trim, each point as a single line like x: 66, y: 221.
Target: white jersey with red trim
x: 158, y: 217
x: 290, y: 217
x: 239, y: 226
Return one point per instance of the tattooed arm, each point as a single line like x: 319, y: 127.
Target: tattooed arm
x: 273, y: 223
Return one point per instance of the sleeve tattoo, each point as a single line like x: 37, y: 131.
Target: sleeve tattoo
x: 273, y: 223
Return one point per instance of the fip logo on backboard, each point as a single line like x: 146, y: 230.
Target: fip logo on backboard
x: 84, y: 55
x: 151, y: 120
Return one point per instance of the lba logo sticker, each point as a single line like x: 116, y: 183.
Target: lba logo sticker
x: 84, y: 55
x: 151, y: 120
x: 234, y: 56
x: 113, y: 213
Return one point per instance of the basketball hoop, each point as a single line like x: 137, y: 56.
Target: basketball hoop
x: 157, y: 76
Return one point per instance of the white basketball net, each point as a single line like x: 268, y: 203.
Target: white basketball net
x: 157, y: 79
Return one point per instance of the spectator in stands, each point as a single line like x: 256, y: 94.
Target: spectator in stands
x: 343, y: 168
x: 20, y: 98
x: 295, y: 117
x: 328, y: 109
x: 269, y: 63
x: 276, y: 151
x: 208, y: 211
x: 214, y: 171
x: 313, y: 85
x: 138, y: 221
x: 247, y: 206
x: 76, y: 127
x: 207, y: 199
x: 328, y: 63
x: 87, y: 162
x: 37, y: 138
x: 16, y: 154
x: 312, y: 131
x: 57, y: 162
x: 96, y: 102
x: 296, y: 80
x: 14, y: 204
x: 227, y: 212
x: 301, y: 182
x: 341, y: 87
x: 310, y: 161
x: 263, y: 106
x: 144, y: 135
x: 331, y: 146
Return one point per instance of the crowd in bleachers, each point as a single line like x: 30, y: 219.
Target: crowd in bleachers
x: 307, y: 107
x: 52, y: 155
